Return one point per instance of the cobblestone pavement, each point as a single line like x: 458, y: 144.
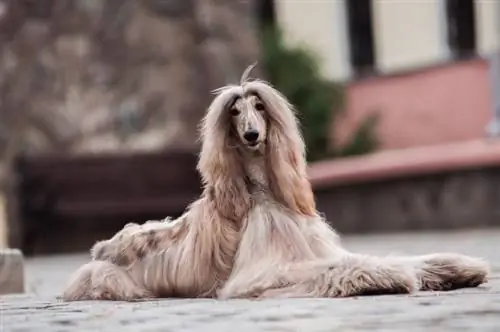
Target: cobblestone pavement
x: 476, y: 309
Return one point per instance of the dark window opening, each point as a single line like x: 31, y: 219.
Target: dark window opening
x: 461, y: 27
x: 266, y: 13
x: 38, y: 9
x: 360, y: 33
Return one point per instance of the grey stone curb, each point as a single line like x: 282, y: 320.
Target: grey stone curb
x: 11, y: 271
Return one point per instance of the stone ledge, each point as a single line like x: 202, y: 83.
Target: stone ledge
x: 11, y: 271
x: 451, y: 186
x: 402, y: 163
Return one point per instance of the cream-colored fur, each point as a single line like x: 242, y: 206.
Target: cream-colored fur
x: 255, y: 231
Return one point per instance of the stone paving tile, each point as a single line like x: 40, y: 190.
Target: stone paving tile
x: 475, y: 309
x: 467, y: 310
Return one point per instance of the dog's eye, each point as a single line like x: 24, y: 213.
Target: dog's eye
x: 259, y: 107
x: 234, y: 111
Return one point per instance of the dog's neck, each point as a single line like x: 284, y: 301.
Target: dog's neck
x: 254, y: 164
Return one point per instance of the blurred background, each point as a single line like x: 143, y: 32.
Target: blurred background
x: 100, y: 102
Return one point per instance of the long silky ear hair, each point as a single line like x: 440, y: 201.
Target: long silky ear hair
x: 219, y: 163
x: 287, y: 166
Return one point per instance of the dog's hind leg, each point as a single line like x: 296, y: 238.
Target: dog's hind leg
x: 100, y: 280
x: 447, y: 271
x: 135, y: 241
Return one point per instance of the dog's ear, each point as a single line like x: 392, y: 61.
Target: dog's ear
x: 220, y: 165
x: 226, y: 185
x: 287, y: 170
x: 286, y: 164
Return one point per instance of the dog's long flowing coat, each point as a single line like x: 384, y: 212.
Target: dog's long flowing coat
x: 255, y: 231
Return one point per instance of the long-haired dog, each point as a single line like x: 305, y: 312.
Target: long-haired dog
x: 255, y: 231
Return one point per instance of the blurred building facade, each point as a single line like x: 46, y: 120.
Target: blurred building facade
x: 363, y: 37
x: 423, y: 65
x: 85, y: 76
x: 107, y: 76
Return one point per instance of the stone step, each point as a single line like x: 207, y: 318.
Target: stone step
x: 11, y: 271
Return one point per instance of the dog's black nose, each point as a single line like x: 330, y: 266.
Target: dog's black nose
x: 251, y: 135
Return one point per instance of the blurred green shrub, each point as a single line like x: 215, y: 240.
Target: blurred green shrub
x: 295, y: 72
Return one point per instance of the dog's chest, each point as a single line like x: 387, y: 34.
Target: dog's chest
x: 256, y: 177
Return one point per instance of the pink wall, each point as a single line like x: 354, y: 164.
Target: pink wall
x: 445, y: 104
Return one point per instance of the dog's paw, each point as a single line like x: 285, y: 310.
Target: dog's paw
x: 448, y: 271
x: 129, y: 295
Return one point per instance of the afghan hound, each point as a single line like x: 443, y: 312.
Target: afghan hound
x: 255, y: 231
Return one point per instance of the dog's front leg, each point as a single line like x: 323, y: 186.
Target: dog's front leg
x: 351, y: 275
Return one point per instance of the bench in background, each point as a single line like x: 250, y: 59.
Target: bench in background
x: 70, y: 201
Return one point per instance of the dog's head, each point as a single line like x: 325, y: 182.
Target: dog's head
x: 248, y: 121
x: 253, y: 116
x: 246, y: 115
x: 243, y: 115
